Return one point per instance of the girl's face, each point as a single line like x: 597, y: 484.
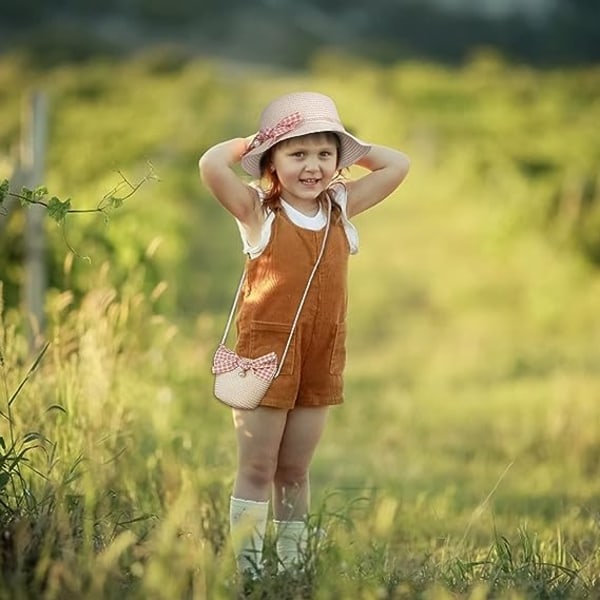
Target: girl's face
x: 305, y: 165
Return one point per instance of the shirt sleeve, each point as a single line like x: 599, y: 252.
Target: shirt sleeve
x: 340, y: 195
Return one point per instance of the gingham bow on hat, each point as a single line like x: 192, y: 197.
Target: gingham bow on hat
x: 284, y: 126
x: 264, y: 367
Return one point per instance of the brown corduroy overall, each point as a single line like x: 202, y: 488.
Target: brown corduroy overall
x: 275, y: 281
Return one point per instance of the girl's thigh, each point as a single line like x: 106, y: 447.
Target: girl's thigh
x: 303, y: 429
x: 259, y: 433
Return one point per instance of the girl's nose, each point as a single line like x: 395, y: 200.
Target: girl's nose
x: 311, y: 164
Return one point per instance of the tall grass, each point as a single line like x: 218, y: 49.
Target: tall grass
x: 117, y: 468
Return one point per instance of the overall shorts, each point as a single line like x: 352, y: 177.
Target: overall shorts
x: 275, y: 281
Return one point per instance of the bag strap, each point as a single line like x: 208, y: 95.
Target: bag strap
x: 300, y: 305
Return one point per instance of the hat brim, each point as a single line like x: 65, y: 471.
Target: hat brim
x: 351, y: 148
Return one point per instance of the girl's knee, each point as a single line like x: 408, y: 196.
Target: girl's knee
x: 289, y: 476
x: 257, y: 474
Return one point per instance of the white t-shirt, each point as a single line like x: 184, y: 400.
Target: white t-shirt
x: 314, y: 223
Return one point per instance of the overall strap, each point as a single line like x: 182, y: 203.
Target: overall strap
x: 302, y: 300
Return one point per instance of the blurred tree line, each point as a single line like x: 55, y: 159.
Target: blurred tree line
x: 384, y: 30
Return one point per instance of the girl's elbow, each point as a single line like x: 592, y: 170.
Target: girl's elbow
x: 204, y: 166
x: 404, y: 161
x: 209, y: 173
x: 402, y: 167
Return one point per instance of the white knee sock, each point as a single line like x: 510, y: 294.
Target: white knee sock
x: 248, y: 523
x: 291, y: 543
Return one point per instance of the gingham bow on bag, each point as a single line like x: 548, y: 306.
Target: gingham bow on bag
x: 263, y: 367
x: 242, y: 382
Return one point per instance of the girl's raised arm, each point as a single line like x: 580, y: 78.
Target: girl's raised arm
x: 388, y: 169
x: 217, y: 174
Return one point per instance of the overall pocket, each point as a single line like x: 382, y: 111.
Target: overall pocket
x: 266, y: 336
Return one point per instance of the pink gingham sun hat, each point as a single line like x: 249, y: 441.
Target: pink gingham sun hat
x: 298, y: 114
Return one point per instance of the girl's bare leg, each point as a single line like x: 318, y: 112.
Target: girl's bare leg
x: 259, y: 435
x: 303, y: 430
x: 291, y: 497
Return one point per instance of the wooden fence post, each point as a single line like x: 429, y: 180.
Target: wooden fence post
x: 32, y: 159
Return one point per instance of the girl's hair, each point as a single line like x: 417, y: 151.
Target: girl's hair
x: 273, y: 188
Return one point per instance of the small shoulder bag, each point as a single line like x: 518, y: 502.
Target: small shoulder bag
x: 242, y: 382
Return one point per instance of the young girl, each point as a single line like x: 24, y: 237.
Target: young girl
x: 296, y: 158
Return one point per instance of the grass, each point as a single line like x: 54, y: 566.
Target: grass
x: 464, y: 463
x: 470, y: 482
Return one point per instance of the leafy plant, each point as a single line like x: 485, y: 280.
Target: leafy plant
x: 14, y: 491
x: 58, y: 209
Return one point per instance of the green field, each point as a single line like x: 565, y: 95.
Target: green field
x: 465, y: 462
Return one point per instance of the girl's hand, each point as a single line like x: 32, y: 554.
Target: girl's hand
x: 248, y: 140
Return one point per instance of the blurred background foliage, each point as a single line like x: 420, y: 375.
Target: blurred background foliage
x: 482, y: 269
x: 474, y: 321
x: 518, y: 140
